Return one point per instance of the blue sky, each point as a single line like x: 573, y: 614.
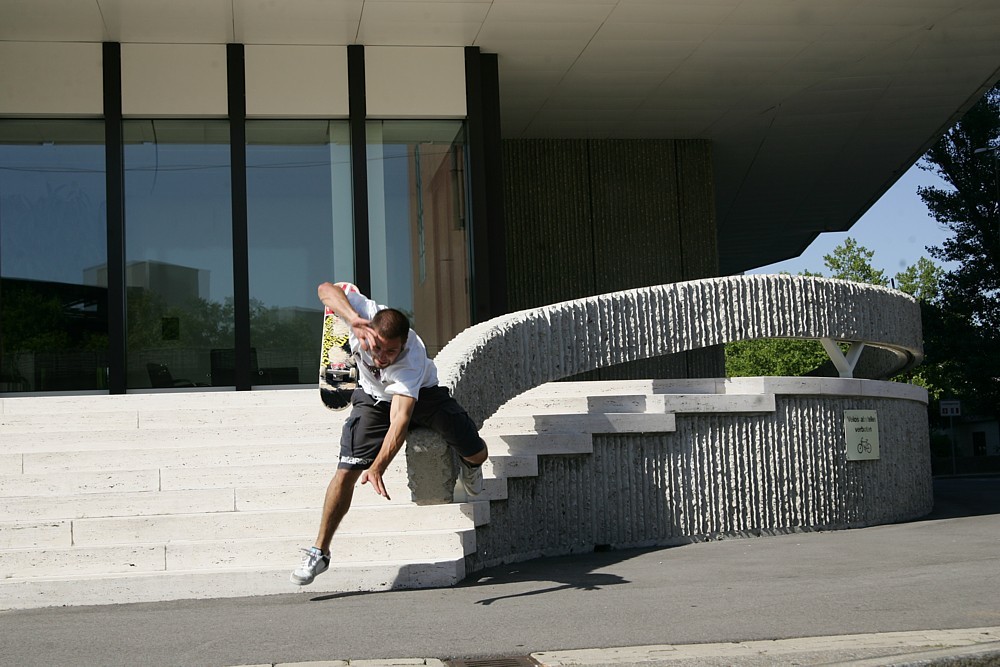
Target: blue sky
x: 898, y: 228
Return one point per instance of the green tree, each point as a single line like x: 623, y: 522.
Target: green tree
x: 938, y: 372
x: 852, y: 261
x: 968, y: 330
x: 922, y: 281
x: 775, y: 356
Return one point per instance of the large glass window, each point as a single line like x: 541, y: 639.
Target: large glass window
x: 301, y: 232
x: 179, y: 253
x: 417, y: 214
x: 53, y: 248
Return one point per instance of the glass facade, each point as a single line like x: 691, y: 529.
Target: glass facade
x: 301, y: 233
x: 53, y: 243
x: 417, y: 224
x: 180, y: 320
x: 178, y: 253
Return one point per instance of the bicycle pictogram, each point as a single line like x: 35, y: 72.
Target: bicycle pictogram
x: 864, y: 446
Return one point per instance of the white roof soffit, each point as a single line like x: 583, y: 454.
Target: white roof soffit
x: 813, y: 107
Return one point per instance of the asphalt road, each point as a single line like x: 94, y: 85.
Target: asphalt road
x: 942, y: 572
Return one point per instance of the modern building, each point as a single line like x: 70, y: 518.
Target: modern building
x: 458, y: 160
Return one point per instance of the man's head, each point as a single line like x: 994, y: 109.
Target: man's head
x: 392, y: 328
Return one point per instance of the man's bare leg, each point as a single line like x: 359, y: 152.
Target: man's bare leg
x: 339, y: 494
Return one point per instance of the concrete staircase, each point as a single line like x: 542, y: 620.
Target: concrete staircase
x: 112, y: 499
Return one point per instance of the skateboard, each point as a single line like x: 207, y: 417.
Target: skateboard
x: 338, y: 369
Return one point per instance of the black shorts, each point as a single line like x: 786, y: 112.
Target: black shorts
x: 366, y: 426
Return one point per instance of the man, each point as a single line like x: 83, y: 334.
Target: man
x: 398, y: 385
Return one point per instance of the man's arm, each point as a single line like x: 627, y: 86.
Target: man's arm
x: 400, y: 411
x: 334, y: 298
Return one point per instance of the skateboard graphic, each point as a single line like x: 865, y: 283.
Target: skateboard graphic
x: 338, y: 370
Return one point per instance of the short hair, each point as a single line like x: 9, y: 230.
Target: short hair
x: 391, y: 324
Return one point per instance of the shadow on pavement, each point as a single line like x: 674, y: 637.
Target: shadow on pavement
x: 569, y: 573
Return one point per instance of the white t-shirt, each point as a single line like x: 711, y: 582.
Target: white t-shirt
x: 412, y: 370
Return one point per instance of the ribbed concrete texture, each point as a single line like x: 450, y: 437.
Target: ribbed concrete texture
x: 490, y: 363
x: 760, y: 470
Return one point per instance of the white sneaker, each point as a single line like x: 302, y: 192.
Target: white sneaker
x: 314, y: 563
x: 471, y: 478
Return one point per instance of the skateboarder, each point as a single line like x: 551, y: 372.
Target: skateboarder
x: 398, y: 386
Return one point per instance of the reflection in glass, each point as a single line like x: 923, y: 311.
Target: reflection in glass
x: 179, y: 255
x: 53, y: 239
x: 417, y: 228
x: 300, y: 227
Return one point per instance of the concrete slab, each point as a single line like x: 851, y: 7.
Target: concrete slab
x: 59, y: 484
x: 88, y: 505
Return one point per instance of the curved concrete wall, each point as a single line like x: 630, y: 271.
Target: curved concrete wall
x: 490, y: 363
x: 719, y: 473
x: 723, y: 475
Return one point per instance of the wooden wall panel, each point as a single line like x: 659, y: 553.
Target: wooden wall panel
x: 585, y: 217
x: 637, y: 240
x: 696, y: 194
x: 548, y: 222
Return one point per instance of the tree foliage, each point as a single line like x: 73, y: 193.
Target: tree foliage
x: 965, y: 330
x: 922, y: 281
x: 852, y: 261
x: 774, y: 356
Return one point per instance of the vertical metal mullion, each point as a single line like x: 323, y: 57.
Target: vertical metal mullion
x: 114, y: 168
x: 478, y: 205
x: 358, y: 112
x: 241, y: 243
x: 493, y: 156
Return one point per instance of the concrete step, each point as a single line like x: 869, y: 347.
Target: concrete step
x: 173, y: 479
x: 175, y: 401
x: 158, y: 419
x: 427, y: 545
x: 622, y: 388
x: 157, y: 528
x: 179, y: 457
x: 320, y: 433
x: 187, y: 501
x: 642, y: 422
x: 544, y: 404
x: 235, y: 582
x: 510, y: 465
x: 533, y: 444
x: 59, y: 484
x: 78, y: 506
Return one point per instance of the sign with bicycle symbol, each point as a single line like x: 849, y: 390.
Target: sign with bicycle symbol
x: 861, y: 430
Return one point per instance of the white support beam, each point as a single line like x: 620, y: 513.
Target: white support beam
x: 844, y: 363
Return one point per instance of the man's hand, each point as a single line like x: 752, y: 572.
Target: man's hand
x: 375, y: 477
x: 366, y: 336
x: 333, y: 297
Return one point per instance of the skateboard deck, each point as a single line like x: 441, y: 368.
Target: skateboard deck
x: 338, y: 370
